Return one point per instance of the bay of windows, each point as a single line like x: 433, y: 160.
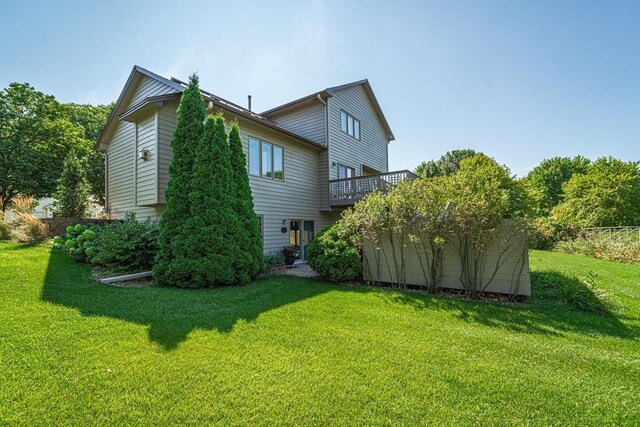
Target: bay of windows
x: 349, y: 124
x: 266, y: 159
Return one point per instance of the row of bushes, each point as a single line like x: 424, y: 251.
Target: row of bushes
x: 126, y: 246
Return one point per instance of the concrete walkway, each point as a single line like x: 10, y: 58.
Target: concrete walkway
x: 300, y: 270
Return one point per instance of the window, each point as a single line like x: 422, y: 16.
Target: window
x: 260, y: 224
x: 266, y: 159
x: 254, y: 156
x: 278, y: 162
x: 350, y: 125
x: 345, y: 172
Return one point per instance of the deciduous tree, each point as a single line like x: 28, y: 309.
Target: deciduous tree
x: 445, y: 165
x: 34, y: 138
x: 607, y: 195
x: 545, y: 180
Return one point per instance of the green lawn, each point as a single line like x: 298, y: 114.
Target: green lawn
x: 286, y: 350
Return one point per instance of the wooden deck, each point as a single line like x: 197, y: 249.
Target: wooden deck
x: 347, y: 191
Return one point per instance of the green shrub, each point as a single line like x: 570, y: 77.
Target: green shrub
x: 5, y: 230
x: 76, y: 244
x: 335, y: 254
x: 544, y: 233
x: 273, y: 261
x: 128, y: 246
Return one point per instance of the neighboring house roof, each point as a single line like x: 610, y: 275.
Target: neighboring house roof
x: 179, y: 86
x: 330, y: 92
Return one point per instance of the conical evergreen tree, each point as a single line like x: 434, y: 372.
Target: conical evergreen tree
x: 72, y: 192
x: 214, y: 256
x: 191, y: 115
x: 244, y: 205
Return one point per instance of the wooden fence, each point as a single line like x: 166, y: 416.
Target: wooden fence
x: 58, y: 225
x: 505, y: 270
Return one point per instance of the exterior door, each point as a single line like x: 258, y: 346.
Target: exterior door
x: 307, y: 237
x: 295, y: 236
x: 345, y: 172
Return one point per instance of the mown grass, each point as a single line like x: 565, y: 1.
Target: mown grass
x: 287, y: 350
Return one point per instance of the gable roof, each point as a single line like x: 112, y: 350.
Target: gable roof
x: 175, y: 89
x: 330, y: 91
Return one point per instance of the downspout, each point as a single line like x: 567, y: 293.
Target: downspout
x: 106, y: 185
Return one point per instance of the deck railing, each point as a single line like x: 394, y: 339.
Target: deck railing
x: 347, y: 191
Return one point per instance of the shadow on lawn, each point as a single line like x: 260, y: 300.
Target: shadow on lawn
x: 170, y: 313
x: 544, y: 314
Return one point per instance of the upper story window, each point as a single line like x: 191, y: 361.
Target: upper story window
x: 266, y: 159
x: 349, y: 124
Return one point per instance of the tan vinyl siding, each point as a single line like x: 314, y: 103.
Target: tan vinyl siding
x: 146, y: 170
x: 323, y: 181
x: 308, y: 121
x: 128, y: 191
x: 149, y: 87
x: 371, y: 149
x: 505, y: 281
x: 295, y: 197
x: 121, y: 173
x: 167, y: 119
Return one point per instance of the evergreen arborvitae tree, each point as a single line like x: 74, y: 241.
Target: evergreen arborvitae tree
x: 72, y: 192
x: 214, y: 255
x: 244, y: 205
x: 191, y: 115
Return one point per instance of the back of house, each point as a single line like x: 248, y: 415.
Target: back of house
x: 307, y: 160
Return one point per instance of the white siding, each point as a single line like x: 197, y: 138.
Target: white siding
x: 371, y: 149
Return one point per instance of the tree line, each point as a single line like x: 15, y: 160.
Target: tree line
x: 37, y: 134
x: 564, y: 191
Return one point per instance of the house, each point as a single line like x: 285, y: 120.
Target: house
x: 44, y: 209
x: 307, y: 159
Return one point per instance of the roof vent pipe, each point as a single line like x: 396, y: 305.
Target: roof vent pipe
x: 249, y: 99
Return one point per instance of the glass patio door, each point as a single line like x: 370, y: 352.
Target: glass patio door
x: 301, y: 234
x: 307, y: 237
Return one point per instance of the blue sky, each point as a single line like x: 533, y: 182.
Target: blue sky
x: 519, y: 81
